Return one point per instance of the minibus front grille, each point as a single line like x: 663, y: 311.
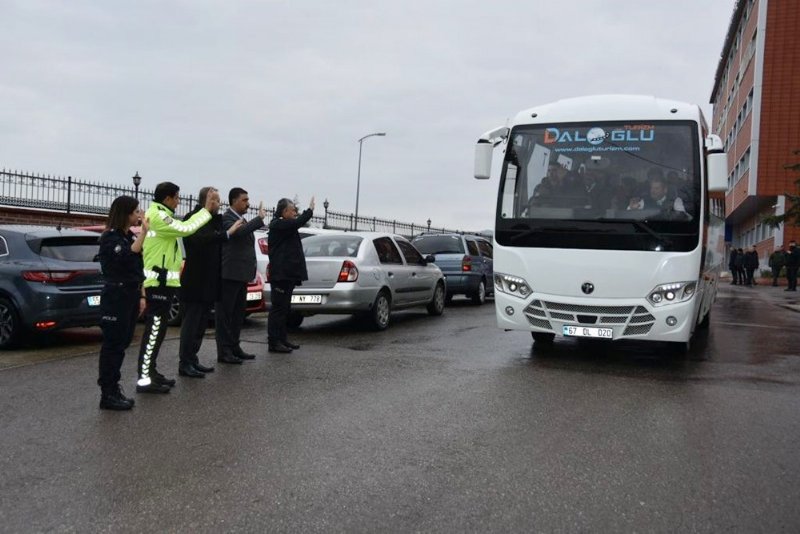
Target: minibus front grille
x: 539, y: 323
x: 637, y: 320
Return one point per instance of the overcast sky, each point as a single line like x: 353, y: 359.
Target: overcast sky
x: 273, y: 96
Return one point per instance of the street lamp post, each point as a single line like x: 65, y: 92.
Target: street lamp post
x: 358, y: 182
x: 429, y: 226
x: 325, y: 205
x: 136, y: 181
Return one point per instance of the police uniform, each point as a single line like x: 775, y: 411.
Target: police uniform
x: 119, y: 304
x: 162, y: 270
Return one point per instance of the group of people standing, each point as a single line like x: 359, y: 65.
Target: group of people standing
x: 144, y: 273
x: 743, y: 265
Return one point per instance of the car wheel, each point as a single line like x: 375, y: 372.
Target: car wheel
x: 175, y: 315
x: 436, y: 305
x: 381, y: 311
x: 294, y: 320
x: 543, y: 338
x: 9, y: 324
x: 479, y: 297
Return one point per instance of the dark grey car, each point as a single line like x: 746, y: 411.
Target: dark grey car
x: 465, y: 260
x: 49, y: 279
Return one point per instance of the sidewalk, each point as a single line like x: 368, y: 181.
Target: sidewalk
x: 777, y: 296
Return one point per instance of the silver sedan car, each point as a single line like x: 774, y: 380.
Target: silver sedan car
x: 365, y: 273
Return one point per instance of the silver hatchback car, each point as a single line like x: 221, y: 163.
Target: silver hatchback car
x: 365, y: 273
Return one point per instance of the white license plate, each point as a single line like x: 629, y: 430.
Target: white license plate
x: 93, y: 300
x: 306, y: 299
x: 254, y: 296
x: 588, y: 331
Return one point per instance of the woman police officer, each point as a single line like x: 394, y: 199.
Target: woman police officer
x: 122, y: 300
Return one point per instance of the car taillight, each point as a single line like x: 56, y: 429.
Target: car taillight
x: 466, y: 263
x: 349, y: 272
x: 263, y: 245
x: 51, y: 277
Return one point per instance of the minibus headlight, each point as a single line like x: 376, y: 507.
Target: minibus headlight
x: 670, y: 293
x: 512, y: 285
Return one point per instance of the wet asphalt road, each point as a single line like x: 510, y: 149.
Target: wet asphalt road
x: 438, y: 424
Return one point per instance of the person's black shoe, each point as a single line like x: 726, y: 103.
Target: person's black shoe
x: 280, y: 347
x: 152, y: 387
x: 291, y: 345
x: 113, y: 399
x: 158, y: 378
x: 187, y: 369
x: 229, y: 359
x: 121, y: 395
x: 245, y: 355
x: 202, y: 368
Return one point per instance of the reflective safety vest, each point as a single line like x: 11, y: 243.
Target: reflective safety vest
x: 160, y: 250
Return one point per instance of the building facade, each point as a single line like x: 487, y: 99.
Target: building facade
x: 756, y: 102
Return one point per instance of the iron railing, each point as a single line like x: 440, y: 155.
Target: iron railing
x: 53, y: 193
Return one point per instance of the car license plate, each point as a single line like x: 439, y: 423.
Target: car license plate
x: 588, y: 331
x: 93, y: 300
x: 306, y: 299
x: 254, y: 296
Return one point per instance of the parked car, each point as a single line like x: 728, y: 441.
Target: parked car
x: 262, y: 246
x: 368, y: 274
x: 465, y: 260
x: 49, y: 279
x: 255, y: 300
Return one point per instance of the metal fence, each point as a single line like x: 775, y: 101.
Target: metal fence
x: 25, y: 190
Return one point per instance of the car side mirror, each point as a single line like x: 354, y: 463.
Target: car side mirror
x: 430, y: 258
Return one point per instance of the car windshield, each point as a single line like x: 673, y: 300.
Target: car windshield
x: 439, y: 244
x: 331, y: 245
x: 77, y: 248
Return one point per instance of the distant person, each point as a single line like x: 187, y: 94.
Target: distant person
x: 751, y: 264
x: 200, y: 282
x: 777, y: 260
x: 792, y: 263
x: 732, y: 266
x: 238, y: 269
x: 739, y: 265
x: 122, y: 300
x: 162, y: 276
x: 287, y: 269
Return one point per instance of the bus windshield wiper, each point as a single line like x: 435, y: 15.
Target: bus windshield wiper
x: 641, y: 225
x: 537, y: 229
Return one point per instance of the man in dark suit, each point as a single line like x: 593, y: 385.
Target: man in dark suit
x: 238, y: 269
x: 200, y: 282
x: 287, y: 269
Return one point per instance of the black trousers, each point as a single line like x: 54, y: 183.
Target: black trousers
x: 791, y: 277
x: 159, y: 299
x: 119, y: 307
x: 193, y: 327
x: 229, y: 316
x: 776, y: 273
x: 281, y: 300
x: 750, y: 273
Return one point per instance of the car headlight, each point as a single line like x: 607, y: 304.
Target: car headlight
x: 512, y: 285
x: 670, y: 293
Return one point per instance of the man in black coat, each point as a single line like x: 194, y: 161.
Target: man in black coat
x: 287, y: 269
x: 200, y: 284
x: 238, y: 269
x: 751, y: 264
x: 732, y: 267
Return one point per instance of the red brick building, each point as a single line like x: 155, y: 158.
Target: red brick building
x: 756, y: 99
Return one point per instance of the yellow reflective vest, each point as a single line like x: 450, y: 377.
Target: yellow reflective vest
x: 160, y: 250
